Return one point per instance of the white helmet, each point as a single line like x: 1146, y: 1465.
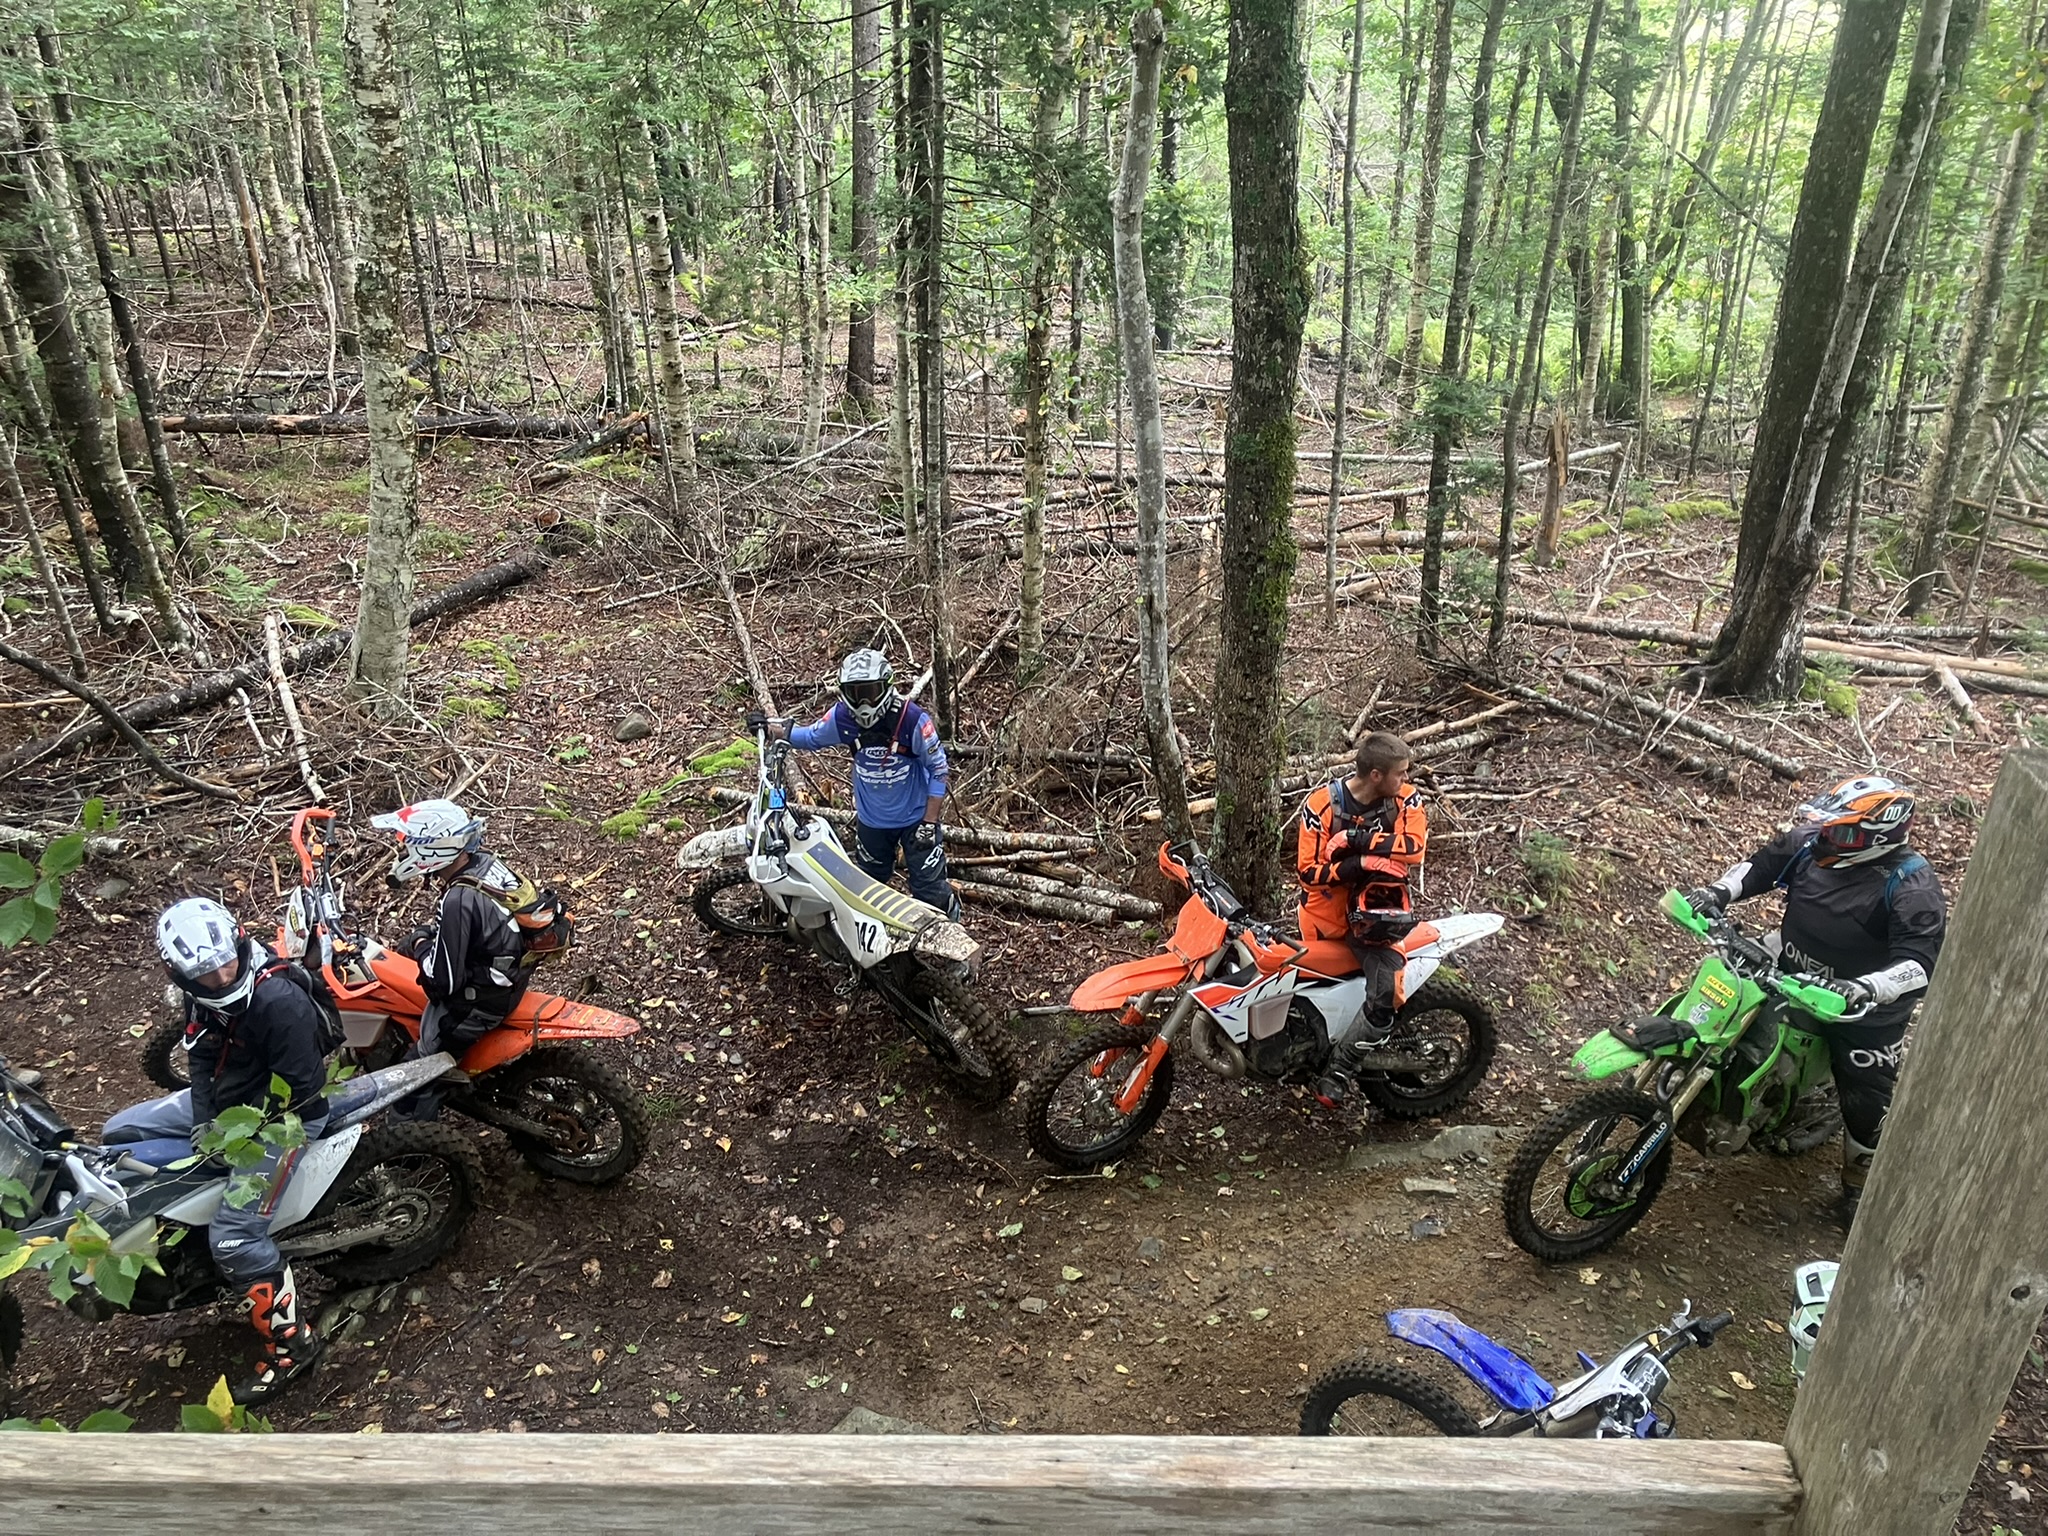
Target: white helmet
x: 196, y: 938
x: 1812, y: 1285
x: 432, y: 835
x: 864, y: 679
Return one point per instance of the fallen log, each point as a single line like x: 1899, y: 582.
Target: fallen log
x: 1782, y: 767
x: 1684, y: 761
x: 203, y: 692
x: 23, y: 840
x: 1989, y: 666
x: 1033, y: 902
x: 1295, y: 783
x: 357, y: 424
x: 1120, y: 902
x: 1964, y: 705
x: 111, y: 717
x: 567, y: 459
x: 956, y: 833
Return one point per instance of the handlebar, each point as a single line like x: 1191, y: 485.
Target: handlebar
x: 1699, y: 1332
x: 309, y: 856
x: 1811, y: 993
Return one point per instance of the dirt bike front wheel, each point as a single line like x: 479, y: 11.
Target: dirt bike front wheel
x: 1364, y: 1397
x: 419, y: 1177
x: 727, y: 901
x: 1450, y: 1031
x: 960, y: 1034
x: 165, y: 1061
x: 1071, y: 1116
x: 596, y: 1123
x: 1564, y: 1198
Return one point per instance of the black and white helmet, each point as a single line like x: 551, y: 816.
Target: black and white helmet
x: 864, y: 685
x: 199, y: 938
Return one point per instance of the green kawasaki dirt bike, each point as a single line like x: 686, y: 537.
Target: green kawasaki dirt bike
x: 1715, y: 1066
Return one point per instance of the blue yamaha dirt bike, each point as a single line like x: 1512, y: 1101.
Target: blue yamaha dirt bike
x: 1732, y: 1062
x: 1621, y: 1400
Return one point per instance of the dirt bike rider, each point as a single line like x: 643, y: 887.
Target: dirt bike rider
x: 471, y: 955
x: 1361, y: 836
x: 1865, y: 912
x: 247, y: 1022
x: 899, y: 775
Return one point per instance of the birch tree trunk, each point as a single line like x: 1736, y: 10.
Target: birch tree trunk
x: 927, y: 111
x: 1052, y: 93
x: 1141, y: 377
x: 334, y: 221
x: 678, y: 425
x: 1411, y: 78
x: 287, y: 255
x: 819, y: 153
x: 1934, y: 502
x: 865, y: 253
x: 1419, y: 273
x: 379, y: 647
x: 1340, y: 401
x: 2024, y: 294
x: 1269, y: 301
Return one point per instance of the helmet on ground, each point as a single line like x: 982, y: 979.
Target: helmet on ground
x: 1812, y: 1285
x: 864, y: 685
x: 198, y: 939
x: 433, y: 835
x: 1859, y: 820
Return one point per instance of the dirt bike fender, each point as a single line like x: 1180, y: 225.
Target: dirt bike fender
x: 1448, y: 935
x: 715, y: 847
x: 1108, y: 990
x: 1508, y: 1379
x: 1604, y: 1056
x: 320, y: 1164
x: 543, y: 1016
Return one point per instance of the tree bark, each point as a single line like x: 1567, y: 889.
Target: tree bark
x: 1935, y: 501
x: 678, y: 424
x: 379, y: 647
x: 335, y: 222
x: 1519, y: 399
x: 1038, y: 296
x: 927, y: 111
x: 287, y: 254
x: 1419, y: 273
x: 1141, y: 376
x: 1340, y: 402
x: 867, y: 180
x: 2024, y: 296
x: 1269, y: 302
x: 1410, y: 83
x: 40, y: 553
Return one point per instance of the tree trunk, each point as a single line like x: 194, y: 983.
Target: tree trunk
x: 1766, y: 657
x: 2023, y: 295
x: 1077, y: 270
x: 40, y: 554
x: 379, y: 647
x: 1520, y: 398
x: 287, y: 255
x: 1419, y: 273
x: 819, y: 154
x: 337, y: 226
x: 1449, y: 409
x: 1631, y: 278
x: 1591, y: 397
x: 1052, y: 92
x: 1269, y: 302
x: 1141, y: 376
x: 1397, y: 196
x: 927, y: 110
x: 678, y: 425
x: 865, y: 253
x: 1934, y: 502
x: 1340, y: 404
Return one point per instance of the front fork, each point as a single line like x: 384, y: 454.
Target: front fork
x: 1689, y: 1088
x: 1132, y: 1094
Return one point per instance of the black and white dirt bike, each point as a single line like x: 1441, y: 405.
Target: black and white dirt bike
x: 366, y: 1205
x: 797, y: 882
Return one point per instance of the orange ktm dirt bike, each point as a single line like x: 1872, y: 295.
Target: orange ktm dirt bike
x: 569, y: 1113
x: 1243, y: 1000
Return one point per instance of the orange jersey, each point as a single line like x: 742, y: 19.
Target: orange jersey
x: 1386, y: 841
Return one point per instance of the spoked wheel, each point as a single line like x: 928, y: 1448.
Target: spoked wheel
x: 1815, y: 1121
x: 1363, y: 1397
x: 165, y: 1061
x: 1449, y: 1029
x: 412, y: 1183
x: 958, y: 1031
x: 728, y: 901
x: 595, y: 1127
x: 1564, y: 1196
x: 1071, y: 1116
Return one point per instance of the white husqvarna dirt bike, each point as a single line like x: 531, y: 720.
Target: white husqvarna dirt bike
x: 798, y: 883
x: 1244, y: 999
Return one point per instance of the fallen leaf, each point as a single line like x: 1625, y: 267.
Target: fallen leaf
x: 663, y: 1280
x: 1014, y: 1229
x: 1070, y: 1274
x: 725, y: 1143
x: 1260, y: 1314
x: 174, y: 1356
x: 1774, y: 1327
x: 543, y: 1369
x: 1742, y: 1381
x: 1589, y: 1277
x: 1123, y: 1370
x: 809, y: 1297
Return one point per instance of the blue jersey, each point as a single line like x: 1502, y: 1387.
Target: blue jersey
x: 896, y: 766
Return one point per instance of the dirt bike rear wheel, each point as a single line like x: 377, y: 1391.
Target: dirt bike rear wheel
x: 1451, y: 1027
x: 959, y: 1032
x: 713, y: 900
x: 1364, y: 1397
x: 430, y: 1173
x: 1557, y: 1201
x: 1070, y: 1113
x: 602, y: 1128
x: 165, y: 1060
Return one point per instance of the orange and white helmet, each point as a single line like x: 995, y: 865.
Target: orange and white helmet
x: 1859, y: 820
x: 432, y: 835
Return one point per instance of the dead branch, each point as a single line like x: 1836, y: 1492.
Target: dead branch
x: 1964, y: 705
x: 86, y: 693
x: 273, y: 641
x: 1686, y: 762
x: 1122, y: 904
x: 25, y: 840
x: 357, y: 424
x: 1782, y: 767
x: 1033, y: 902
x: 956, y: 832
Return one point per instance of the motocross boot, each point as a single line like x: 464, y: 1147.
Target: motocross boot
x: 1855, y: 1170
x: 1341, y: 1077
x: 290, y: 1346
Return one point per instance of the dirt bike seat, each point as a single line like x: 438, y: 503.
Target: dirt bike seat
x: 868, y: 895
x: 1325, y: 958
x: 1651, y: 1032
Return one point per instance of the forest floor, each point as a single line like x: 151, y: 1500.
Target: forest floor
x: 820, y: 1224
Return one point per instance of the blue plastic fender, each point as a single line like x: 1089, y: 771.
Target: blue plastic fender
x: 1509, y: 1379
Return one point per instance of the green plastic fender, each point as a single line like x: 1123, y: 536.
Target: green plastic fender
x: 1604, y: 1056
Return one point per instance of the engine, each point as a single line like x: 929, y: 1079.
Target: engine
x: 1297, y: 1051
